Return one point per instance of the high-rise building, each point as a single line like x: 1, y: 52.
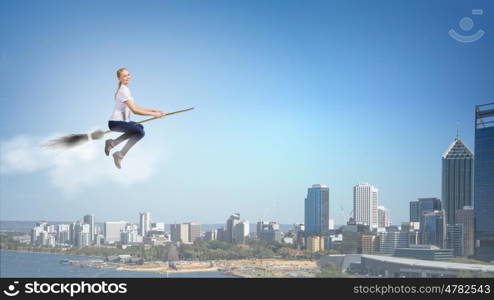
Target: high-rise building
x: 391, y: 240
x: 232, y: 221
x: 211, y: 235
x: 317, y: 210
x: 414, y: 211
x: 130, y: 235
x: 63, y: 233
x: 221, y: 234
x: 144, y: 223
x: 484, y: 182
x: 112, y: 231
x: 77, y: 233
x: 352, y: 237
x: 434, y: 228
x: 383, y: 220
x: 365, y: 199
x: 35, y: 233
x: 455, y: 239
x: 241, y: 231
x: 179, y: 232
x: 465, y: 217
x: 194, y: 231
x: 299, y: 230
x: 260, y: 227
x: 457, y: 179
x: 268, y: 231
x: 413, y: 232
x: 89, y: 219
x: 427, y: 205
x: 81, y: 234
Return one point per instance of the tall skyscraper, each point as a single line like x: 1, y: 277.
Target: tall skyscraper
x: 427, y: 205
x: 365, y: 199
x: 383, y: 219
x: 76, y: 233
x: 484, y: 182
x: 230, y: 225
x: 89, y: 219
x: 317, y: 210
x: 414, y: 211
x: 144, y: 223
x: 457, y: 178
x: 465, y: 217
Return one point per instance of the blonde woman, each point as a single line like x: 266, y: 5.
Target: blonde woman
x: 120, y: 119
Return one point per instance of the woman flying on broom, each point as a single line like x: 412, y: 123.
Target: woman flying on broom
x: 120, y: 119
x: 119, y: 122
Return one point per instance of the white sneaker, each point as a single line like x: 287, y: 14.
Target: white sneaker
x: 117, y: 158
x: 109, y: 144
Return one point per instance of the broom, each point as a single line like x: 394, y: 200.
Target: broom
x: 72, y: 140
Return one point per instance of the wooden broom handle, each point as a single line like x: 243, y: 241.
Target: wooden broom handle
x: 154, y: 118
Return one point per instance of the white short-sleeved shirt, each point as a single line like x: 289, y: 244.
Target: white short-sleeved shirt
x: 121, y: 112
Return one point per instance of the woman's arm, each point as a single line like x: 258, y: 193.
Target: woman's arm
x: 142, y: 111
x: 148, y: 109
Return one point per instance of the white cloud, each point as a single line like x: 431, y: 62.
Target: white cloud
x: 84, y: 166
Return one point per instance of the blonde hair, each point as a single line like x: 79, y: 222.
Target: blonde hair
x: 119, y: 71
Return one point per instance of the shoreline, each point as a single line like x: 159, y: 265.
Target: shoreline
x: 164, y: 270
x: 240, y: 268
x: 123, y: 267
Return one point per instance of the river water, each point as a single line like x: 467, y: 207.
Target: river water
x: 41, y: 265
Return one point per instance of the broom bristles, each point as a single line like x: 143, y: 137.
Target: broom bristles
x: 68, y: 141
x: 96, y: 135
x: 73, y: 140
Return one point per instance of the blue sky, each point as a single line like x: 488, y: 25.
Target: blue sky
x: 287, y: 94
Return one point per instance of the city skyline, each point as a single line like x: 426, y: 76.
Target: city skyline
x: 334, y: 98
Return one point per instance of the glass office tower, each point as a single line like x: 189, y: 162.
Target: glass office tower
x: 484, y: 182
x: 457, y: 179
x: 317, y: 210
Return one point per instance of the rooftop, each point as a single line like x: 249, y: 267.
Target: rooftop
x: 457, y: 150
x: 431, y: 263
x: 319, y: 186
